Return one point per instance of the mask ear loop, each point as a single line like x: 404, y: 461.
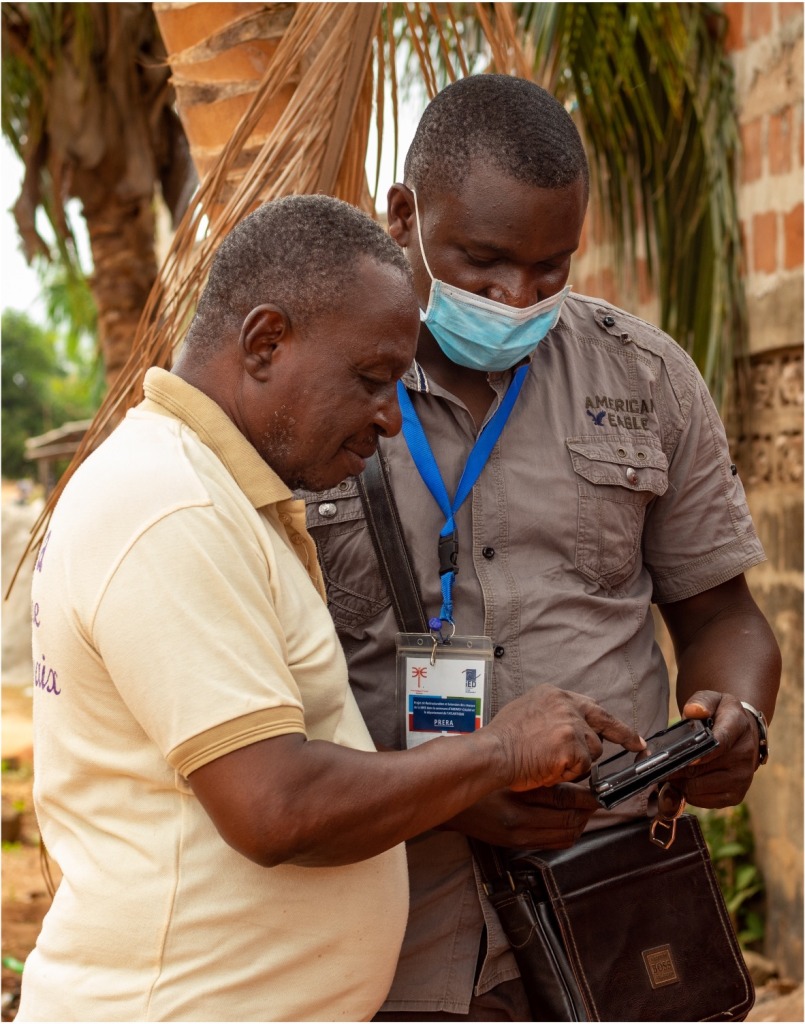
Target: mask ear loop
x: 419, y: 235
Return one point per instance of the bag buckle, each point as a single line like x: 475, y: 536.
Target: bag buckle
x: 491, y: 889
x: 670, y: 804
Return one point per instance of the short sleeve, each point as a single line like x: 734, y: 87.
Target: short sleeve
x: 700, y: 532
x: 188, y: 631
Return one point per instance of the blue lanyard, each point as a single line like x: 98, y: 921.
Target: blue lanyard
x: 426, y: 464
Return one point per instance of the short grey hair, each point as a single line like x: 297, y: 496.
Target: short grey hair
x: 299, y: 253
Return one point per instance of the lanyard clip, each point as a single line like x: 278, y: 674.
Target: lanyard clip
x: 448, y: 553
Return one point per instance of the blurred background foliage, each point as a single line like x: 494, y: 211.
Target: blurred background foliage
x: 728, y: 834
x: 88, y: 107
x: 45, y: 383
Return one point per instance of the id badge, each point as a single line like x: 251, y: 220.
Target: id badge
x: 444, y: 686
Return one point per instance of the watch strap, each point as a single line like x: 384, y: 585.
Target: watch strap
x: 763, y: 732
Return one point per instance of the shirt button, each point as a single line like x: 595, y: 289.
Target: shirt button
x: 327, y: 509
x: 499, y: 651
x: 488, y: 552
x: 631, y: 475
x: 609, y: 321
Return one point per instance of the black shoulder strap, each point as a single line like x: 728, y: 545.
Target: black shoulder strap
x: 383, y: 521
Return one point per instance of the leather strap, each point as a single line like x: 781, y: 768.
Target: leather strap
x: 385, y: 529
x: 497, y: 878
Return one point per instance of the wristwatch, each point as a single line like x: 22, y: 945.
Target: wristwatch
x: 763, y: 732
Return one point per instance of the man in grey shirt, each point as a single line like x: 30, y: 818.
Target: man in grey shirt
x: 610, y: 487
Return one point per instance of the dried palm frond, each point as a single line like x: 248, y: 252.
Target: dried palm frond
x: 322, y: 65
x: 314, y: 147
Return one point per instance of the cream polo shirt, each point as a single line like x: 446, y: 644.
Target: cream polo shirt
x: 611, y: 486
x: 178, y: 615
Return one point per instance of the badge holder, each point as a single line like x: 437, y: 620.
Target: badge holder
x: 444, y: 682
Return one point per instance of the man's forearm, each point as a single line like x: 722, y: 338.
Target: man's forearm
x: 337, y: 806
x: 723, y: 642
x: 311, y: 802
x: 739, y: 657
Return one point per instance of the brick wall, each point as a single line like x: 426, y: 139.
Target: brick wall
x: 766, y: 45
x: 765, y: 42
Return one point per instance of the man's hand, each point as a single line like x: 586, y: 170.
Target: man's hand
x: 725, y: 653
x: 722, y: 777
x: 538, y: 819
x: 551, y: 735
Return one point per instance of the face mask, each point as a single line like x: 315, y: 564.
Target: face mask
x: 480, y: 333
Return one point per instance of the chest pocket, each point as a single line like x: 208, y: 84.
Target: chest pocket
x: 336, y: 521
x: 617, y: 478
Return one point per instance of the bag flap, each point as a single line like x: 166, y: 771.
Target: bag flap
x: 645, y: 929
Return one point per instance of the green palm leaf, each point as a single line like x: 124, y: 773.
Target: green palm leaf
x: 653, y: 92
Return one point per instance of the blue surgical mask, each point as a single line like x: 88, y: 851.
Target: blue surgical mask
x: 480, y: 333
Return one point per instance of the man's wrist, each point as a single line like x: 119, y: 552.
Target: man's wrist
x: 762, y: 731
x: 496, y: 754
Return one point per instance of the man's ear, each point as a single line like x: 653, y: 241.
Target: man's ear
x: 401, y: 217
x: 263, y: 330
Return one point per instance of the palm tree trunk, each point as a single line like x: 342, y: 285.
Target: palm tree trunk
x: 121, y: 237
x: 219, y: 55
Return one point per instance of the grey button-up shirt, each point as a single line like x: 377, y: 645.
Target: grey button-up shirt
x: 610, y: 487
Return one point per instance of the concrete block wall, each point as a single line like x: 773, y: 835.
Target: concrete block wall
x: 765, y: 43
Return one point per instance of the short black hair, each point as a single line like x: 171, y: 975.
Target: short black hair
x: 298, y: 252
x: 508, y: 121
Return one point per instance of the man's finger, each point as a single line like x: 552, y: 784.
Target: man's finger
x: 570, y: 796
x: 610, y: 728
x: 564, y: 796
x: 702, y: 704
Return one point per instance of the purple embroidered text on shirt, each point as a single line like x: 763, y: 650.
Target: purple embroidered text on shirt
x: 46, y: 678
x: 42, y: 551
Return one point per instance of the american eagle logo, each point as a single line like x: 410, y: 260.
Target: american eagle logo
x: 598, y: 417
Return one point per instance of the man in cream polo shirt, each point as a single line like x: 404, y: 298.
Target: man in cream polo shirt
x: 229, y: 837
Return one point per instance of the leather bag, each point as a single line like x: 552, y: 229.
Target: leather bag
x: 616, y: 928
x: 619, y: 929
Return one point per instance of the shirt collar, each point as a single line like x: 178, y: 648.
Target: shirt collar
x: 415, y: 378
x: 169, y: 395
